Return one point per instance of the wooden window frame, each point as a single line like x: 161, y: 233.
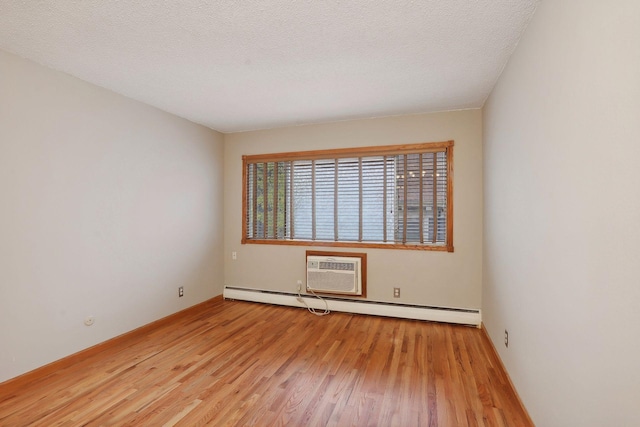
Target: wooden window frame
x: 387, y: 150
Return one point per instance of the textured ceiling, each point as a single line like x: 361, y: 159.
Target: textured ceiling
x: 242, y: 65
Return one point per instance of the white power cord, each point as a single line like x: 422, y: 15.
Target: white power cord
x: 311, y: 309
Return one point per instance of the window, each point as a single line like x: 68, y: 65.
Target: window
x: 386, y: 197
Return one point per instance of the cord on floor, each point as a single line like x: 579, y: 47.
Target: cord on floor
x: 311, y: 309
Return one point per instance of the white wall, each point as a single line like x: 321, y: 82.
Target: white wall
x: 432, y: 278
x: 106, y: 207
x: 562, y: 214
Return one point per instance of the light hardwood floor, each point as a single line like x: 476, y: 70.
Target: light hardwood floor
x: 239, y: 363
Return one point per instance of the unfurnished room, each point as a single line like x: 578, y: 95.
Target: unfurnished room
x: 320, y: 213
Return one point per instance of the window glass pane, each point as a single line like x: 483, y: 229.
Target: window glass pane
x: 390, y: 197
x: 260, y: 202
x: 441, y: 179
x: 373, y: 199
x: 348, y: 199
x: 399, y: 199
x: 427, y: 195
x: 281, y: 200
x: 268, y: 200
x: 412, y: 176
x: 250, y: 198
x: 302, y: 199
x: 325, y: 179
x: 288, y: 225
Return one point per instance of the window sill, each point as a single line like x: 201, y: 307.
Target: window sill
x: 415, y: 247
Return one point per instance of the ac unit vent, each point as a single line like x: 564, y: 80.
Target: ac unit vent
x: 334, y: 275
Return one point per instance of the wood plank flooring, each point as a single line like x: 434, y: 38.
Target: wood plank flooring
x: 237, y: 363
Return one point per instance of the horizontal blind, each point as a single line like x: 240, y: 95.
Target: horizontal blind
x: 374, y: 214
x: 348, y: 200
x: 324, y: 195
x: 421, y: 198
x: 398, y: 198
x: 301, y: 195
x: 441, y: 196
x: 267, y: 187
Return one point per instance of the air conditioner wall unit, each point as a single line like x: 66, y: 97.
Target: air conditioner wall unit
x: 339, y: 273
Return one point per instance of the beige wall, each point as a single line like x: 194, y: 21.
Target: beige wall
x: 562, y: 214
x: 106, y: 207
x: 432, y: 278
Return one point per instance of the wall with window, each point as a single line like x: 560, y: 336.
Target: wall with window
x: 425, y: 277
x: 562, y: 214
x: 107, y: 206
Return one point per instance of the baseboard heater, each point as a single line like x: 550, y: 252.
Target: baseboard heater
x: 406, y: 311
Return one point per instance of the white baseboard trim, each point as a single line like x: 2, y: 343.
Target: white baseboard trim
x: 377, y: 308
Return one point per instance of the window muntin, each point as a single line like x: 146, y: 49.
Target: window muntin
x: 392, y: 196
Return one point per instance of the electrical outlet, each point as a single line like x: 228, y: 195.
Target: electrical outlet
x: 299, y: 286
x: 396, y: 292
x: 181, y: 291
x: 89, y: 320
x: 506, y: 338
